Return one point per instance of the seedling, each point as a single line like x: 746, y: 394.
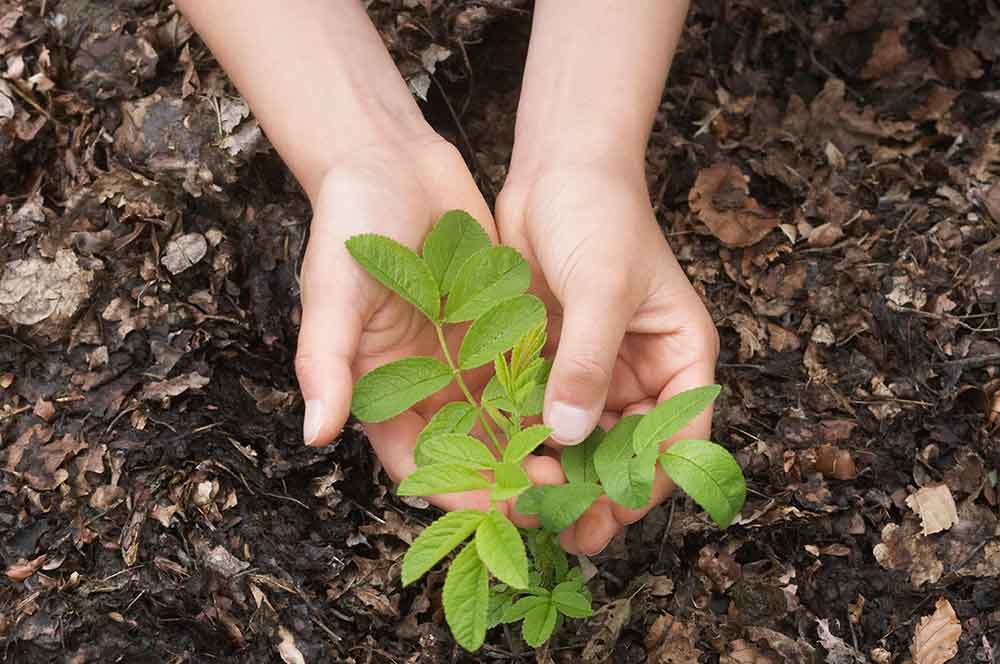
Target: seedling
x: 462, y: 277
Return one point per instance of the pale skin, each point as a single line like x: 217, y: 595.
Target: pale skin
x: 627, y: 328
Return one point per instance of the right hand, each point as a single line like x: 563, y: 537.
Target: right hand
x: 351, y: 324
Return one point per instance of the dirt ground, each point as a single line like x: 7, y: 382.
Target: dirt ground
x: 825, y: 171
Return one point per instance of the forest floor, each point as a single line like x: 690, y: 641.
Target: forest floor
x: 826, y: 172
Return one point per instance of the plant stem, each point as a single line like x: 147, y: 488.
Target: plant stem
x: 462, y: 386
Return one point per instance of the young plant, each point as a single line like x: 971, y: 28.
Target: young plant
x: 461, y: 277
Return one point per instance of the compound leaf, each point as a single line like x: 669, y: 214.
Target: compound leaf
x: 498, y: 329
x: 668, y: 418
x: 489, y: 276
x: 457, y: 448
x: 454, y: 238
x: 392, y: 388
x: 524, y: 442
x: 437, y: 541
x: 454, y: 417
x: 399, y: 269
x: 558, y: 505
x: 710, y: 475
x: 441, y: 478
x: 578, y: 460
x: 466, y: 598
x: 500, y: 547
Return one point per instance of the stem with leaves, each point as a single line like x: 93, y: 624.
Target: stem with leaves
x: 461, y: 277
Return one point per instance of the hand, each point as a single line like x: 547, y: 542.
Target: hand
x: 631, y: 331
x: 351, y: 324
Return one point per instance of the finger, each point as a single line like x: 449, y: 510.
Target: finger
x: 332, y: 322
x: 392, y: 441
x: 596, y: 528
x: 593, y: 327
x: 567, y: 540
x: 541, y: 470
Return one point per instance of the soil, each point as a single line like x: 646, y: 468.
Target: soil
x: 825, y: 171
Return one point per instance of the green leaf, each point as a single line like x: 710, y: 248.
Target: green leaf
x: 495, y: 395
x: 466, y: 598
x: 616, y: 446
x: 437, y: 540
x: 441, y: 478
x: 499, y: 603
x: 399, y: 269
x: 558, y: 505
x: 489, y: 276
x: 578, y: 460
x: 454, y: 238
x: 454, y: 417
x: 457, y: 448
x: 511, y: 480
x: 527, y: 349
x: 710, y: 475
x: 627, y: 479
x: 539, y: 624
x: 629, y: 482
x: 500, y: 547
x: 522, y: 606
x: 392, y: 388
x: 668, y: 418
x: 524, y: 442
x: 498, y: 329
x: 570, y: 601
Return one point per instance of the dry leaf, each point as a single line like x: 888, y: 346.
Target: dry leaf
x: 44, y: 294
x: 286, y: 647
x: 936, y: 638
x: 721, y: 199
x: 936, y: 508
x: 184, y: 251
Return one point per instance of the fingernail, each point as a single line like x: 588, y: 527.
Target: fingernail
x: 570, y: 424
x: 313, y: 421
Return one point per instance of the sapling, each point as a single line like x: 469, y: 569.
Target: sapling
x: 462, y: 278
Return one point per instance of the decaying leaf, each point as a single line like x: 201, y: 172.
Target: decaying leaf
x: 721, y: 199
x: 936, y: 508
x: 184, y: 251
x: 287, y: 650
x: 44, y: 295
x: 837, y: 652
x: 936, y: 638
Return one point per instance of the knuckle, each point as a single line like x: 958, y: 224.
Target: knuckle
x: 305, y: 361
x: 586, y: 367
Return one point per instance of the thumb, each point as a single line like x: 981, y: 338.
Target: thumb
x: 328, y: 342
x: 594, y: 323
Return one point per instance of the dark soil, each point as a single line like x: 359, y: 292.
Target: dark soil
x: 156, y: 501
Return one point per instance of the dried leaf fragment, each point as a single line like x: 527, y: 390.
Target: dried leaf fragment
x: 936, y: 638
x: 289, y: 653
x: 721, y: 199
x: 936, y: 508
x: 44, y: 294
x: 184, y: 251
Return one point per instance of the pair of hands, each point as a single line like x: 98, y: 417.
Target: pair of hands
x: 627, y: 328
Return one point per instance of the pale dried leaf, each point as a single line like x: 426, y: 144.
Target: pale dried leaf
x: 936, y: 638
x: 936, y: 508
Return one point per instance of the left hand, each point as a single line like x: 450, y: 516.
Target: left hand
x: 630, y: 329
